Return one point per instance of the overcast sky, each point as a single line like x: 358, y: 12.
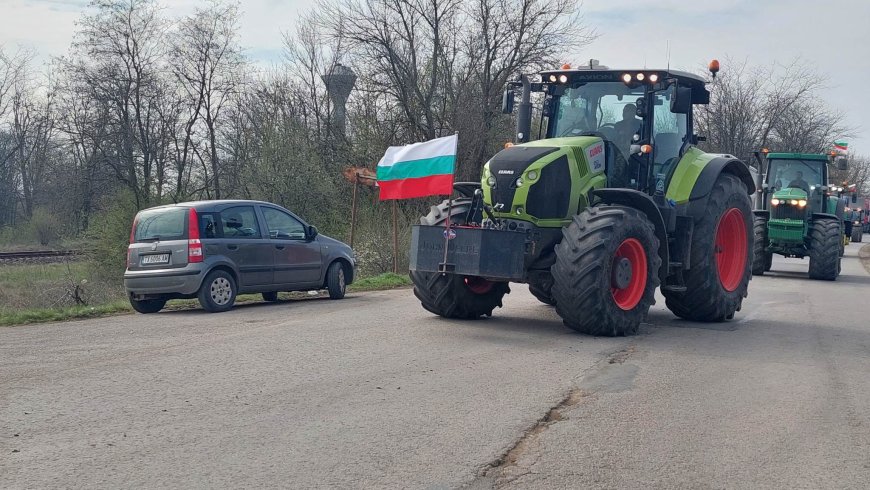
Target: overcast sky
x: 833, y: 36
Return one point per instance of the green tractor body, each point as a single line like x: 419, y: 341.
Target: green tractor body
x: 613, y: 201
x: 801, y: 214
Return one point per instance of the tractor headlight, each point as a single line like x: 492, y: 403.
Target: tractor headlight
x: 802, y: 202
x: 520, y: 211
x: 793, y: 202
x: 490, y: 181
x: 774, y: 201
x: 532, y: 175
x: 519, y: 182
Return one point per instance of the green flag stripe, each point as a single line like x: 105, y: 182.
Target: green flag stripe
x: 412, y: 169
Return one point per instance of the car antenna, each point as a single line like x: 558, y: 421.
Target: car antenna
x: 668, y: 54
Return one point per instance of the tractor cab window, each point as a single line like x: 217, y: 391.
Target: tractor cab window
x: 606, y: 108
x: 796, y: 174
x: 668, y: 133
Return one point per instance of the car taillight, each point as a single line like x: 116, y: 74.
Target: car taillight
x: 194, y: 246
x: 132, y: 240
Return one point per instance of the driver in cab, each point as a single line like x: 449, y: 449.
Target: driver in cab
x: 626, y: 128
x: 799, y: 182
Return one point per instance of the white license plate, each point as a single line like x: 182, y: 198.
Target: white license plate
x: 155, y: 259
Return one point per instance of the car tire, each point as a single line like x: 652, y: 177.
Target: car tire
x: 146, y: 306
x: 270, y: 296
x: 218, y: 292
x: 336, y: 283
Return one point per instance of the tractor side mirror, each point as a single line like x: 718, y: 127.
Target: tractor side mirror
x: 854, y: 198
x: 507, y: 101
x: 681, y: 100
x: 842, y: 163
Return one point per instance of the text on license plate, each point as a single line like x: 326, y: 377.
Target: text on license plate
x: 155, y: 259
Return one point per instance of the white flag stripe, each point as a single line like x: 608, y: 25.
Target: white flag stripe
x: 445, y: 146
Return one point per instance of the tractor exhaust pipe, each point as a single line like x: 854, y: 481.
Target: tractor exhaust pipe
x: 524, y: 113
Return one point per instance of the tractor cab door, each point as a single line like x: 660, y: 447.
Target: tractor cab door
x: 669, y: 137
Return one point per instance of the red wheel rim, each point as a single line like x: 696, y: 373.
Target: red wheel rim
x: 628, y: 297
x: 731, y: 249
x: 478, y: 285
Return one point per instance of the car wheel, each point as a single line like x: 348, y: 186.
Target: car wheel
x: 147, y: 305
x: 271, y: 296
x: 335, y: 281
x: 218, y: 292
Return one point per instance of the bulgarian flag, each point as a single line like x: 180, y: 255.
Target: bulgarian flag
x: 418, y: 170
x: 841, y: 146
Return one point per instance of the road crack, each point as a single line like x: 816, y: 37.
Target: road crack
x: 519, y: 459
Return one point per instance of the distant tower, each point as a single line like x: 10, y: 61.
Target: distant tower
x: 339, y: 82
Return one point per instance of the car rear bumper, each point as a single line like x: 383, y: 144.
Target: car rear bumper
x: 183, y: 281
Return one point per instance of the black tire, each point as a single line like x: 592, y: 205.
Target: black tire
x: 857, y: 234
x: 147, y: 305
x: 586, y: 268
x: 218, y: 292
x: 705, y: 298
x: 541, y: 287
x: 270, y: 296
x: 761, y: 259
x: 336, y: 282
x: 453, y: 296
x: 824, y: 257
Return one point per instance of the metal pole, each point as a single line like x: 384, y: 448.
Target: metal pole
x: 395, y: 239
x: 353, y: 210
x: 449, y: 220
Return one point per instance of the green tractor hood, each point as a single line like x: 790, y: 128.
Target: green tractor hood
x: 790, y: 193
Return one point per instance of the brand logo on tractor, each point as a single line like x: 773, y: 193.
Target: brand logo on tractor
x: 505, y: 172
x: 595, y: 157
x: 596, y: 150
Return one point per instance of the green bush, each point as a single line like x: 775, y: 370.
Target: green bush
x: 108, y: 235
x: 45, y: 226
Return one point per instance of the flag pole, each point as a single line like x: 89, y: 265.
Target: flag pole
x: 447, y: 223
x: 395, y: 239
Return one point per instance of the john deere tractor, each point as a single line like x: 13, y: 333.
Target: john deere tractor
x: 800, y: 214
x: 612, y: 202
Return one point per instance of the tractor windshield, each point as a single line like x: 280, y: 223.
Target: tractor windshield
x: 796, y: 174
x: 608, y: 108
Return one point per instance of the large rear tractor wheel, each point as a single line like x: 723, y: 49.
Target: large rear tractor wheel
x: 721, y: 265
x: 541, y: 287
x: 450, y: 295
x: 606, y: 271
x: 761, y: 258
x: 824, y: 252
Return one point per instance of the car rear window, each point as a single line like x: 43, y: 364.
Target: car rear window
x: 161, y: 224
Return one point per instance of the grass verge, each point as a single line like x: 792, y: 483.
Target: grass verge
x: 41, y: 315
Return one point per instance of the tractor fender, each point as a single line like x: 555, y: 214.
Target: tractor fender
x: 466, y: 189
x: 707, y: 179
x: 825, y: 216
x: 643, y: 203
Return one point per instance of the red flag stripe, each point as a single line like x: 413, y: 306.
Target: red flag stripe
x: 418, y: 187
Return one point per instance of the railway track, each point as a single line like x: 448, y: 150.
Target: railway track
x: 36, y: 254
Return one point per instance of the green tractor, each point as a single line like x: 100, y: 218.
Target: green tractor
x: 612, y: 202
x: 800, y: 214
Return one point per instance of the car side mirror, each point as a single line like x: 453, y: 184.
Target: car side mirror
x: 507, y: 101
x: 311, y: 232
x: 681, y: 100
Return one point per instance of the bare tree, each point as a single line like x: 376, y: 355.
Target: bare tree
x: 208, y: 63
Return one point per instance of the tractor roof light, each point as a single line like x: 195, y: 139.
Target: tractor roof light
x: 626, y: 77
x: 641, y: 77
x: 765, y: 150
x: 646, y: 149
x: 563, y: 78
x: 566, y: 66
x: 713, y: 67
x: 653, y: 78
x: 553, y: 78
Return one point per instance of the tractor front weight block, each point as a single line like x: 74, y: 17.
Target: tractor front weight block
x: 491, y: 254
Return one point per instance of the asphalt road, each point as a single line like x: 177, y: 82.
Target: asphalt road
x: 372, y: 391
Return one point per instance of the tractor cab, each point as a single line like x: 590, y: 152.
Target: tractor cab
x: 798, y: 180
x: 644, y: 118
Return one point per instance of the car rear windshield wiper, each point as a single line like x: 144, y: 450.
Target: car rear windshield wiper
x: 154, y: 238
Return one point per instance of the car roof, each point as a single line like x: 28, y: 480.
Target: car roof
x: 210, y: 204
x: 797, y: 156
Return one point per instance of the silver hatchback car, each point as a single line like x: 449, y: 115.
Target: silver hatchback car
x: 215, y: 250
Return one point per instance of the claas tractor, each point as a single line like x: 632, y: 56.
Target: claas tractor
x: 613, y: 201
x: 800, y: 214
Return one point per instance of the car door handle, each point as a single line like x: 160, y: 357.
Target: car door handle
x: 279, y: 247
x: 233, y: 247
